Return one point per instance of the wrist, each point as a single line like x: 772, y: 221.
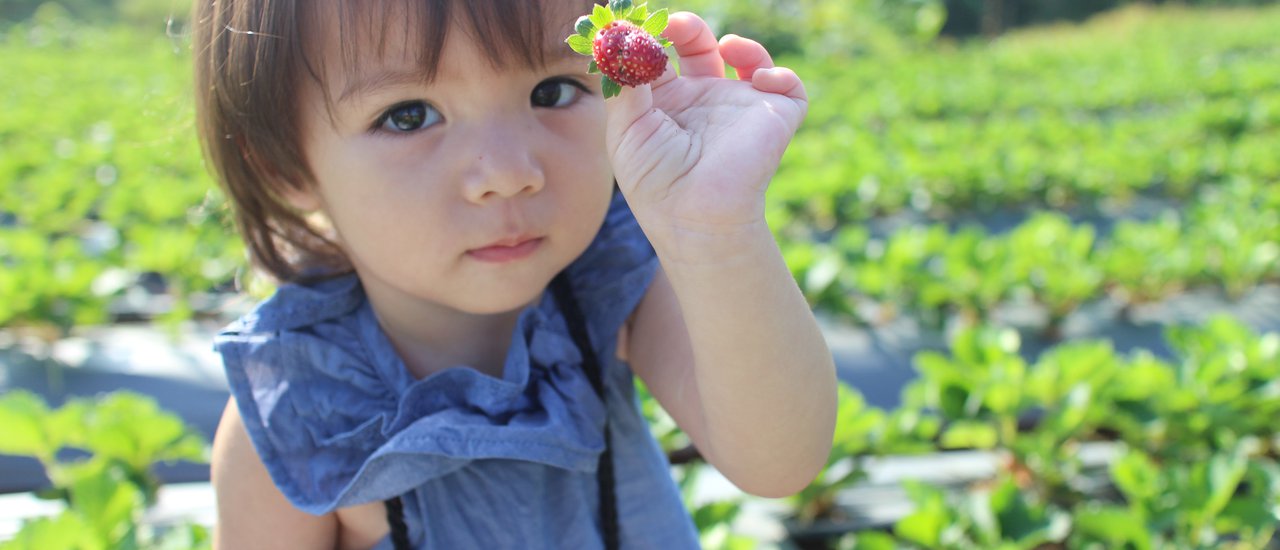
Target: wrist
x: 706, y: 246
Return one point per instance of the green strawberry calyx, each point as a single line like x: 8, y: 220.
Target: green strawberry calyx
x: 587, y: 26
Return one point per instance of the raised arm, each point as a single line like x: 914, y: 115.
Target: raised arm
x: 724, y: 339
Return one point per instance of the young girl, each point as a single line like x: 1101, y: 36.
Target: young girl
x: 416, y: 174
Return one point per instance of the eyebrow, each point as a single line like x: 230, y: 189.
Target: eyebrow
x: 366, y: 83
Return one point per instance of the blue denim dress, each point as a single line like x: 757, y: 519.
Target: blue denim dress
x: 479, y: 462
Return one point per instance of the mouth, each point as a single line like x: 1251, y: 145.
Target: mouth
x: 507, y: 250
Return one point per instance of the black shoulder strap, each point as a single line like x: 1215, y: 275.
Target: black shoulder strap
x: 563, y: 294
x: 564, y: 297
x: 395, y: 519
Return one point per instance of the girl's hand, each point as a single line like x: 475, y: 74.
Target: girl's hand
x: 694, y: 153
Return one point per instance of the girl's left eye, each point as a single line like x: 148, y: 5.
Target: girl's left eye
x: 556, y: 93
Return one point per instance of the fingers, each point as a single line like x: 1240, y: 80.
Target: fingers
x: 626, y: 108
x: 781, y: 81
x: 754, y: 64
x: 745, y: 55
x: 695, y: 44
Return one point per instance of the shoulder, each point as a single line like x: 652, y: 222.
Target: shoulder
x: 252, y: 512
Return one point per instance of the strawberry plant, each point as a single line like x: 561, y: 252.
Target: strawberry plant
x: 1056, y: 261
x: 968, y: 278
x: 978, y: 392
x: 1237, y: 234
x: 125, y: 434
x: 895, y: 271
x: 1193, y: 461
x: 1167, y: 264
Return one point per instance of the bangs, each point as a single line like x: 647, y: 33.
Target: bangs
x: 513, y: 32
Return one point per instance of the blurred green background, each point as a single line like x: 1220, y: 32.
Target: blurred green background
x: 1005, y: 181
x: 924, y: 112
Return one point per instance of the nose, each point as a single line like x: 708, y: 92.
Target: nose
x: 505, y: 164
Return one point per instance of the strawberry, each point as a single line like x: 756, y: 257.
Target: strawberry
x: 627, y: 54
x: 625, y: 43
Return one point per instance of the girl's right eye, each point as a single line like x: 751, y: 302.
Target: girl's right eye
x: 406, y: 117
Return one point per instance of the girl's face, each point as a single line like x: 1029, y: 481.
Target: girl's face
x: 467, y: 193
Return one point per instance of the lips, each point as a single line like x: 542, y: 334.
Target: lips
x: 507, y: 250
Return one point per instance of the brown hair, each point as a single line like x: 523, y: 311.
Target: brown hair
x: 251, y: 59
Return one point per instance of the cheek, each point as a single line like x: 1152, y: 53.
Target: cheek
x: 583, y: 139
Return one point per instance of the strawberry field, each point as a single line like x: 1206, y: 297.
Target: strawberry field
x: 107, y: 210
x: 1078, y: 227
x: 1133, y: 159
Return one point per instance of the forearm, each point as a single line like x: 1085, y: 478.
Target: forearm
x: 763, y: 373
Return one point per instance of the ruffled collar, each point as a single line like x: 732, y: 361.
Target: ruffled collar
x: 338, y: 420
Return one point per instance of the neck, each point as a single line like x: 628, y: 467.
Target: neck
x: 431, y: 338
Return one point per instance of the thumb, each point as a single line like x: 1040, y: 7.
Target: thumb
x: 623, y: 111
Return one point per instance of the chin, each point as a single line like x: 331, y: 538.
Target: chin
x: 507, y: 301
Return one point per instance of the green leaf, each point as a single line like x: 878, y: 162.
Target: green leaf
x: 1137, y: 476
x: 185, y: 537
x: 874, y: 540
x: 609, y: 87
x: 969, y: 434
x: 935, y: 366
x: 1003, y: 393
x: 1112, y: 525
x: 601, y: 16
x: 65, y: 532
x: 1075, y: 408
x: 579, y: 44
x: 924, y: 526
x: 592, y: 68
x: 1225, y: 473
x: 656, y: 23
x: 1020, y: 520
x: 66, y: 425
x: 584, y: 27
x: 1251, y: 513
x: 966, y: 348
x: 954, y: 399
x: 715, y: 513
x: 107, y: 500
x: 638, y: 14
x: 132, y: 428
x: 23, y: 415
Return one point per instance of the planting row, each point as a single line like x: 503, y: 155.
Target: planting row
x: 1196, y: 445
x: 1150, y: 101
x: 855, y: 170
x: 1228, y: 239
